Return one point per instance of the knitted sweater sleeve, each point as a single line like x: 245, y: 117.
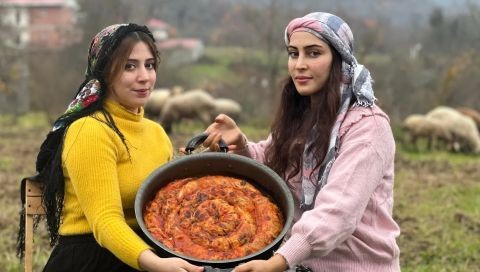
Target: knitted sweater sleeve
x: 367, y: 148
x: 256, y: 151
x: 90, y: 158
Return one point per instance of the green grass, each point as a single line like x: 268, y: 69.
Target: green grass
x: 440, y: 156
x: 6, y: 163
x: 438, y: 208
x: 201, y: 74
x: 220, y: 65
x: 24, y: 121
x: 230, y: 55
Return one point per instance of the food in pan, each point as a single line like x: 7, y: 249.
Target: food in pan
x: 213, y: 217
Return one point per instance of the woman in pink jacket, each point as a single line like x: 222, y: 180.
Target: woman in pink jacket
x: 335, y: 149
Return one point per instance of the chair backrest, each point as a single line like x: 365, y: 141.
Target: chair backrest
x: 33, y: 206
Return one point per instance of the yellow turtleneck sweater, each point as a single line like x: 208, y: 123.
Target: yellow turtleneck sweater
x: 102, y: 177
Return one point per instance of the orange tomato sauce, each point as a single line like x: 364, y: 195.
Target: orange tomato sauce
x: 213, y: 217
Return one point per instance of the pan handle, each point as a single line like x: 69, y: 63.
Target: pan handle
x: 212, y: 269
x: 200, y: 138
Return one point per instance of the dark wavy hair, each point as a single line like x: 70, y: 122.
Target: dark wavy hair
x: 49, y: 160
x: 295, y: 118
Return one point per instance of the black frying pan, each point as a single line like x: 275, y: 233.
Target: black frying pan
x: 216, y: 163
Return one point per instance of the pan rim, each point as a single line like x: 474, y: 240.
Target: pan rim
x: 223, y: 158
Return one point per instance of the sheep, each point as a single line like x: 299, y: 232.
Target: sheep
x: 462, y: 128
x: 194, y: 104
x: 155, y: 102
x: 418, y: 126
x: 176, y: 90
x: 475, y: 115
x: 157, y: 99
x: 227, y: 106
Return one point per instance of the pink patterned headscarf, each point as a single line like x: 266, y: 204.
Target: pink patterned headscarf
x: 337, y: 34
x: 327, y: 27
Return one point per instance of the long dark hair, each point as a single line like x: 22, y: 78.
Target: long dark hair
x: 295, y: 118
x: 49, y: 159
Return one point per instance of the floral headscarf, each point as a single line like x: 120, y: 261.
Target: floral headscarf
x: 101, y: 47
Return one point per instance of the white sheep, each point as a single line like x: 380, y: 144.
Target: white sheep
x: 157, y: 99
x: 155, y: 102
x: 419, y: 126
x: 227, y: 106
x: 176, y: 90
x: 194, y: 104
x: 462, y: 128
x: 475, y: 115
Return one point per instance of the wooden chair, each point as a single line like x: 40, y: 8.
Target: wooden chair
x: 33, y: 206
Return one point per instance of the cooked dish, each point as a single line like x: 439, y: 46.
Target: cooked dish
x: 213, y: 217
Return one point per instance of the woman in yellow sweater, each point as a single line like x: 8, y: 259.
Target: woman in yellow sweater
x: 97, y: 155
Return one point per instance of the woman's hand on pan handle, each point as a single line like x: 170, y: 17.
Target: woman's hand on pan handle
x: 225, y: 128
x: 150, y: 262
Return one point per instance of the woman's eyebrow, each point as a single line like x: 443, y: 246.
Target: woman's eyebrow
x: 314, y: 45
x: 137, y: 60
x: 306, y: 46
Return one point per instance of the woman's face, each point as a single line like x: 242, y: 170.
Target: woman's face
x: 309, y: 62
x: 133, y: 86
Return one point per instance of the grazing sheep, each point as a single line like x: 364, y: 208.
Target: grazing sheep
x: 462, y: 128
x: 157, y: 99
x: 176, y: 90
x: 419, y: 126
x: 155, y: 102
x: 227, y: 106
x: 194, y: 104
x: 475, y: 115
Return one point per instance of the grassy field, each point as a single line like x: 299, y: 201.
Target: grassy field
x: 437, y: 199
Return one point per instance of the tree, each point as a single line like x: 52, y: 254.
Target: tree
x: 260, y: 28
x: 56, y: 74
x: 13, y: 72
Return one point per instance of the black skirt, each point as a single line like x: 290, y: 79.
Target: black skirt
x: 82, y: 253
